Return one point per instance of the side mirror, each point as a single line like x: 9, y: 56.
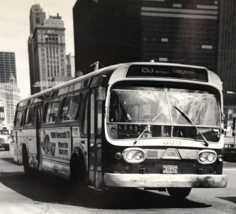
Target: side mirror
x: 101, y: 93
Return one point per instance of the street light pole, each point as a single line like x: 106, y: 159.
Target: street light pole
x: 234, y: 118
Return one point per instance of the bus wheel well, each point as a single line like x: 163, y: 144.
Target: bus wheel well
x: 77, y: 168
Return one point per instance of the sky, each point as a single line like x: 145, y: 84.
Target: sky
x: 15, y: 31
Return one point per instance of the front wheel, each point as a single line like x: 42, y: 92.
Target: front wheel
x: 180, y: 193
x: 26, y: 162
x: 77, y: 172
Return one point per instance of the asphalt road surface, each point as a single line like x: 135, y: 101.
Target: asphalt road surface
x: 47, y: 194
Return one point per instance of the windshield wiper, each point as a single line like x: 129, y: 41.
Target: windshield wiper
x: 149, y: 125
x: 192, y: 123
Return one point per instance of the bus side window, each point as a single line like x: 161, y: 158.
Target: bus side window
x: 54, y: 111
x: 46, y: 113
x: 85, y: 116
x: 92, y: 113
x: 33, y: 116
x: 18, y: 118
x: 65, y: 108
x: 73, y: 108
x: 29, y: 115
x: 99, y: 117
x: 70, y: 108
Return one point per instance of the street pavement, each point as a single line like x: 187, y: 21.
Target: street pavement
x: 49, y: 195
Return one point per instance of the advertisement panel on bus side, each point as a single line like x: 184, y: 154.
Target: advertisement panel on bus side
x: 56, y: 142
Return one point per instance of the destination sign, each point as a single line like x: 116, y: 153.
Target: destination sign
x: 197, y: 74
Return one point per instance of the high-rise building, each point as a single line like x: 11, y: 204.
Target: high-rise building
x: 7, y: 66
x: 37, y: 17
x: 9, y: 97
x: 175, y: 31
x: 226, y: 53
x: 226, y: 65
x: 9, y: 92
x: 70, y: 65
x: 46, y: 48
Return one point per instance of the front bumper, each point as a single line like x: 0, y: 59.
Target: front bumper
x: 165, y: 180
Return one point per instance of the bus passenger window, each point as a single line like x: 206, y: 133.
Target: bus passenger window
x: 18, y: 117
x: 74, y: 104
x: 29, y: 115
x: 92, y: 114
x: 54, y: 112
x: 85, y: 118
x: 70, y: 108
x: 33, y: 115
x: 46, y: 113
x: 51, y: 112
x: 65, y: 108
x: 99, y: 117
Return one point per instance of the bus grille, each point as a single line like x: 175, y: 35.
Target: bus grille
x: 152, y: 154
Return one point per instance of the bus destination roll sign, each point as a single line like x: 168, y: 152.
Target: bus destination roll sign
x: 197, y: 74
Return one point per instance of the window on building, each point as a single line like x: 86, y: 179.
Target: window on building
x: 163, y: 59
x: 207, y: 47
x: 37, y: 20
x: 164, y: 39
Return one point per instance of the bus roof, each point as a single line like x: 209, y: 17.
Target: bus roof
x: 212, y: 77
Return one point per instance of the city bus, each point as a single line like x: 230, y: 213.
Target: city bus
x: 132, y: 125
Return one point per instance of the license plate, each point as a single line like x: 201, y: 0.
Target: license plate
x: 170, y: 169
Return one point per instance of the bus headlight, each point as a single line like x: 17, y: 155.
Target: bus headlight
x: 134, y: 155
x: 130, y: 155
x: 138, y: 155
x: 207, y: 156
x: 203, y: 157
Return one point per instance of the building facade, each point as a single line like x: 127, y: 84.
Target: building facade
x: 226, y: 65
x: 226, y: 53
x: 47, y: 51
x: 9, y: 97
x: 37, y: 17
x: 182, y: 31
x: 70, y: 65
x: 7, y: 66
x: 9, y: 92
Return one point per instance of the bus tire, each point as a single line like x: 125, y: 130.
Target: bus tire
x: 179, y: 193
x: 77, y: 168
x: 25, y: 159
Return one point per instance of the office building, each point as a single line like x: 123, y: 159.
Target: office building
x: 226, y: 65
x: 9, y: 97
x: 9, y: 92
x: 226, y: 53
x: 175, y: 31
x: 7, y: 66
x: 37, y: 17
x: 70, y: 65
x: 46, y: 48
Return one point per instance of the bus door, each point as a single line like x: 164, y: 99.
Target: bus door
x: 38, y: 111
x: 95, y: 146
x: 18, y: 135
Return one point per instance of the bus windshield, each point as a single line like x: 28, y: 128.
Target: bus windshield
x: 156, y: 107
